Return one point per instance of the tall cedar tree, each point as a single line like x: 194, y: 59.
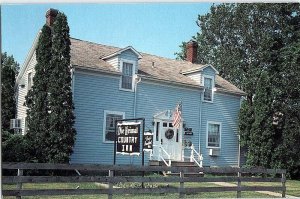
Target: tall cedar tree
x: 9, y: 70
x: 62, y: 134
x: 261, y: 138
x: 247, y: 42
x: 37, y: 99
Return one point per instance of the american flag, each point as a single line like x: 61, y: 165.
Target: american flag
x: 177, y: 116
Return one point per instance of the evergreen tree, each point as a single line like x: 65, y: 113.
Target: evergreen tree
x: 9, y: 71
x: 37, y: 100
x: 62, y: 134
x: 261, y: 136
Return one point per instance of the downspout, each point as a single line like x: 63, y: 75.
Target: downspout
x: 239, y: 139
x: 73, y: 81
x: 137, y: 80
x: 200, y: 119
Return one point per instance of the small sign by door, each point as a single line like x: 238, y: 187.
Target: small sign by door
x: 148, y: 141
x: 188, y: 131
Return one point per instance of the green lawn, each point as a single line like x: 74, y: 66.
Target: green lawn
x: 292, y: 187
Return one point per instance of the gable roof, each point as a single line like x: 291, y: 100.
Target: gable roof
x: 90, y: 55
x: 198, y: 68
x: 122, y: 50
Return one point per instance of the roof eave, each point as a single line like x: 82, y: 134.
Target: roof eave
x: 239, y: 93
x: 170, y: 82
x: 96, y: 70
x: 29, y: 55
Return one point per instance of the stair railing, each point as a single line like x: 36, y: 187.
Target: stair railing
x: 161, y: 149
x: 193, y: 159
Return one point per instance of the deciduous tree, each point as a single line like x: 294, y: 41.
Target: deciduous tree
x: 256, y: 47
x: 8, y: 78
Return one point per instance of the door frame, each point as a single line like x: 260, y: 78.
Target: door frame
x: 160, y: 118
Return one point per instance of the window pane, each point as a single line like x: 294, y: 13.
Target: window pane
x: 127, y: 75
x: 208, y: 89
x: 110, y: 126
x: 213, y: 135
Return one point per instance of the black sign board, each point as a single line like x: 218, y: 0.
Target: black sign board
x: 148, y: 141
x: 188, y: 131
x: 128, y: 138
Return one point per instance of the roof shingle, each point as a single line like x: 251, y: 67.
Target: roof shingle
x: 88, y: 54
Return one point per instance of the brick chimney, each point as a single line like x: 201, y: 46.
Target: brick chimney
x: 191, y: 51
x: 50, y: 16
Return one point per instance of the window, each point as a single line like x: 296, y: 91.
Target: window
x: 208, y: 86
x: 25, y: 125
x: 110, y: 118
x: 213, y: 135
x: 127, y: 79
x: 29, y: 81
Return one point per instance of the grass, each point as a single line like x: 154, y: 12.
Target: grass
x: 292, y: 186
x: 128, y: 196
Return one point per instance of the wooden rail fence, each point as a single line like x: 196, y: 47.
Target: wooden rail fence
x: 241, y: 175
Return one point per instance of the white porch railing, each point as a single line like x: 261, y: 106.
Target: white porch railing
x: 161, y: 149
x: 193, y: 159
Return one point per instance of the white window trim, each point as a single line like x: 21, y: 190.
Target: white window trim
x: 213, y: 87
x: 133, y: 72
x: 212, y: 122
x: 104, y: 122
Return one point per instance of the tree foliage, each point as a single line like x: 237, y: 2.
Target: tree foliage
x: 49, y: 102
x: 256, y: 47
x: 8, y: 78
x: 37, y: 99
x: 62, y: 136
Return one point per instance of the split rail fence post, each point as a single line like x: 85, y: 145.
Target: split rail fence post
x: 238, y: 195
x: 19, y: 184
x: 181, y: 193
x: 110, y: 185
x: 283, y: 180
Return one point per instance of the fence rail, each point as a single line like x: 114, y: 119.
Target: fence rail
x: 112, y: 179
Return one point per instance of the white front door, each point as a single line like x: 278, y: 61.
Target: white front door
x: 167, y: 139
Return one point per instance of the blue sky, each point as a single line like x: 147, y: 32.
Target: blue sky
x: 155, y: 28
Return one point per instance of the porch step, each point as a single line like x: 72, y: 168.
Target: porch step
x: 173, y: 163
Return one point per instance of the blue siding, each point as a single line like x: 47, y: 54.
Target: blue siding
x: 209, y: 71
x: 225, y: 109
x: 95, y: 93
x: 92, y: 95
x: 154, y: 98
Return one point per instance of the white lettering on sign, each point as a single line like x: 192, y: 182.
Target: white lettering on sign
x: 129, y: 140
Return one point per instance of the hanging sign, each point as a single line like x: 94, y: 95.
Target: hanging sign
x: 148, y: 141
x: 128, y: 138
x: 188, y: 131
